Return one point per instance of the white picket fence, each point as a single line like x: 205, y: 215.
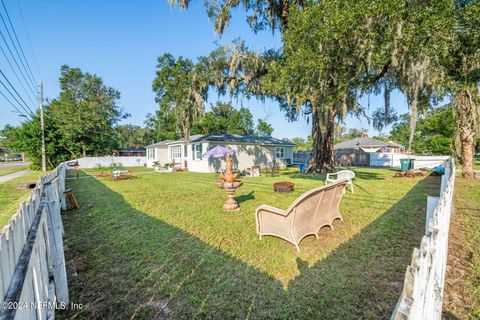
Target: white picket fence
x: 422, y: 295
x: 95, y: 162
x: 33, y: 278
x: 393, y: 160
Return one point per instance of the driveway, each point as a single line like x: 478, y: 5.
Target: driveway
x: 12, y: 164
x: 12, y: 175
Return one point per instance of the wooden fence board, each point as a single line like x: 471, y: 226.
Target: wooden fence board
x: 422, y: 295
x: 56, y: 245
x: 32, y: 262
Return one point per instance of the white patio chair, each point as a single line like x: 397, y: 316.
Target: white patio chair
x: 342, y: 174
x: 255, y: 171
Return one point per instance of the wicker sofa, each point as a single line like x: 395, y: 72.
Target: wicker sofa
x: 305, y: 216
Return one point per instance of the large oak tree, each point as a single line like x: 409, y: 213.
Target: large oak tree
x: 86, y: 112
x: 181, y: 90
x: 462, y: 78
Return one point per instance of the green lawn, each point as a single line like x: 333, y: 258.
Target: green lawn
x: 10, y: 197
x: 462, y: 296
x: 12, y: 170
x: 161, y: 246
x: 469, y: 204
x: 89, y: 172
x: 476, y: 163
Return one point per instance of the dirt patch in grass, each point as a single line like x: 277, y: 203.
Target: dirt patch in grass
x: 462, y: 284
x: 90, y: 173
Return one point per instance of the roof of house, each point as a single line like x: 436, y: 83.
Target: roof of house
x: 365, y: 143
x: 161, y: 143
x: 243, y: 139
x: 265, y: 140
x: 139, y: 149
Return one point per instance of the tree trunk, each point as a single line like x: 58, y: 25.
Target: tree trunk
x: 84, y: 150
x: 467, y: 117
x: 413, y: 102
x: 413, y: 126
x: 73, y: 154
x: 322, y: 136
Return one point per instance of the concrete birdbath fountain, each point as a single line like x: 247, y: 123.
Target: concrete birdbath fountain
x: 229, y: 184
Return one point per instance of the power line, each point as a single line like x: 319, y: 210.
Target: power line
x: 4, y: 76
x: 18, y: 42
x: 15, y: 60
x: 18, y: 78
x: 42, y: 126
x: 11, y: 103
x: 16, y: 50
x: 26, y: 105
x: 29, y: 40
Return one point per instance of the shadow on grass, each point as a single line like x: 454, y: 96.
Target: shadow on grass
x: 245, y: 197
x: 298, y: 175
x: 368, y: 175
x: 132, y: 265
x: 71, y: 173
x: 321, y: 177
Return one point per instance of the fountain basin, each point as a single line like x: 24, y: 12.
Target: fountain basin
x: 226, y: 185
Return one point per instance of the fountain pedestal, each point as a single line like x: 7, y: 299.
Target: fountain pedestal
x: 231, y: 204
x: 229, y: 185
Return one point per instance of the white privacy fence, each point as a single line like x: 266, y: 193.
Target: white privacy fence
x: 422, y: 295
x: 393, y: 160
x: 32, y: 264
x: 95, y: 162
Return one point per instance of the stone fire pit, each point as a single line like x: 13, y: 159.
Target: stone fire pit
x: 283, y: 186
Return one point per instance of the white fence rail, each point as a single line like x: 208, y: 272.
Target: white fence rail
x: 32, y: 264
x: 94, y: 162
x: 422, y: 295
x: 393, y: 160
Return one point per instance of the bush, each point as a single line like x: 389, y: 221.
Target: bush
x: 116, y: 165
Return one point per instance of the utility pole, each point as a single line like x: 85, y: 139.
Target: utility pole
x: 42, y: 128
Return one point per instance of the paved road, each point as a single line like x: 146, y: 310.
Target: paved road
x: 12, y: 175
x: 13, y: 164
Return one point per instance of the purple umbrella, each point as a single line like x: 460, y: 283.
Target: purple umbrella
x: 218, y: 152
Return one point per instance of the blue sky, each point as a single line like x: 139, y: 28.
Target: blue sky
x: 120, y: 41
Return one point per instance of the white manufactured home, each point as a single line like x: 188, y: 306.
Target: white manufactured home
x: 249, y: 151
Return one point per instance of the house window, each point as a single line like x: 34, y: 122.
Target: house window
x: 150, y: 153
x: 176, y: 152
x: 197, y: 151
x: 279, y: 152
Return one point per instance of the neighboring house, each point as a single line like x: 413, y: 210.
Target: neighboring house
x: 358, y: 150
x: 302, y: 157
x: 249, y: 151
x: 131, y: 152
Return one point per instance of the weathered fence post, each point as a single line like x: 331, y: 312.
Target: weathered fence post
x: 61, y: 184
x: 432, y: 203
x: 56, y: 246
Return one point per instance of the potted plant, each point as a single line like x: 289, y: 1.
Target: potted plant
x: 168, y: 167
x: 157, y: 166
